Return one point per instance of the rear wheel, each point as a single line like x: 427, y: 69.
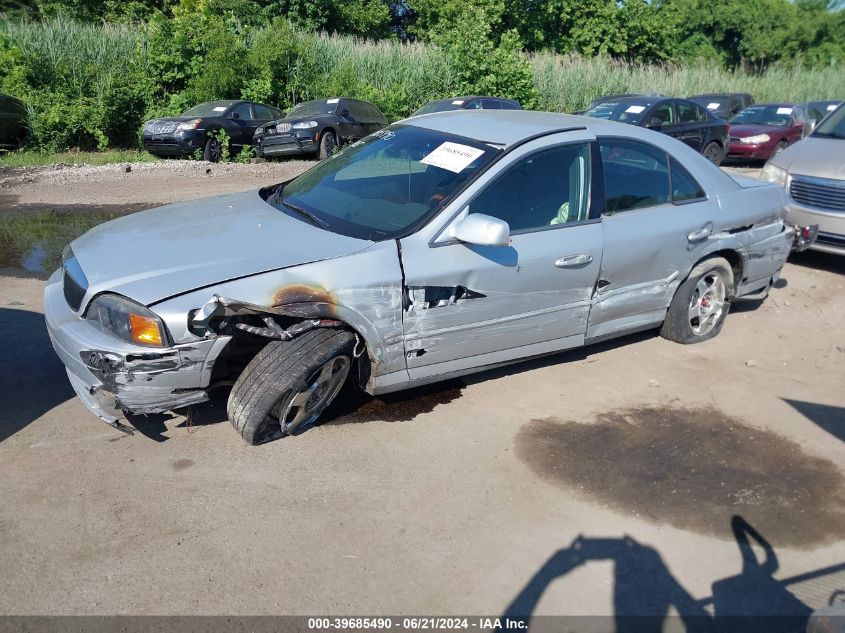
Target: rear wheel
x: 700, y: 305
x: 285, y: 388
x: 328, y: 145
x: 780, y: 147
x: 713, y: 152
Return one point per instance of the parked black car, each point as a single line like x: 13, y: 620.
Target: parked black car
x: 12, y: 122
x: 825, y: 107
x: 685, y: 120
x: 468, y: 103
x: 189, y: 132
x: 607, y: 98
x: 319, y: 127
x: 724, y: 105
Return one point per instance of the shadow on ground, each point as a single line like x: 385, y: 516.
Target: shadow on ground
x: 33, y: 378
x: 827, y: 417
x: 645, y: 592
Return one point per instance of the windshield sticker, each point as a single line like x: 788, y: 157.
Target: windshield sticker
x: 635, y: 109
x: 831, y: 107
x: 219, y: 108
x: 458, y: 102
x: 333, y: 100
x: 712, y: 106
x: 452, y: 156
x: 784, y: 110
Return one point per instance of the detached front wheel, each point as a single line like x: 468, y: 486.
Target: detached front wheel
x: 285, y: 388
x: 700, y: 305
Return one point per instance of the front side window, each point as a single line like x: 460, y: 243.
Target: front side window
x: 473, y: 105
x: 636, y: 175
x: 384, y: 185
x: 542, y: 190
x: 663, y: 111
x: 243, y: 111
x: 833, y: 126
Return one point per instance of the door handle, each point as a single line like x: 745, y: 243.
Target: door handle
x: 700, y: 234
x: 573, y: 261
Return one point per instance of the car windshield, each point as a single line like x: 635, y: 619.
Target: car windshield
x: 386, y: 184
x: 212, y: 108
x: 310, y: 108
x: 437, y: 106
x: 773, y: 115
x: 833, y: 125
x: 624, y: 111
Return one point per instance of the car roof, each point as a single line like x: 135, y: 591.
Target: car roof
x: 721, y: 94
x: 221, y: 102
x: 508, y: 127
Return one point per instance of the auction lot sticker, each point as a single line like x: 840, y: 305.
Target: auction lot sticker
x: 452, y: 156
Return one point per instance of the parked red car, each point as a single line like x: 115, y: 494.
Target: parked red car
x: 760, y: 131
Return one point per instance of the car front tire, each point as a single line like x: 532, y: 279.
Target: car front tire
x: 700, y: 305
x: 211, y: 151
x: 288, y: 384
x: 328, y: 145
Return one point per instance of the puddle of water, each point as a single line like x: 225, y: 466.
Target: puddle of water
x: 182, y: 464
x: 692, y: 468
x: 35, y: 241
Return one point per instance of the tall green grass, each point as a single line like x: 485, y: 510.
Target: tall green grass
x: 567, y: 83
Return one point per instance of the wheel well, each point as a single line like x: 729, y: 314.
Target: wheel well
x: 244, y: 346
x: 328, y: 128
x: 734, y: 259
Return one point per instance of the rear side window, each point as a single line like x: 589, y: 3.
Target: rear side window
x: 690, y: 113
x: 636, y: 175
x: 543, y: 190
x: 684, y: 186
x: 509, y: 105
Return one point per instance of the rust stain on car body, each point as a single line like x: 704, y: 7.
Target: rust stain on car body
x: 692, y: 468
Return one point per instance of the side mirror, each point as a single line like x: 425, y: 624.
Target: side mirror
x: 234, y: 115
x: 654, y: 123
x: 345, y: 113
x: 482, y: 230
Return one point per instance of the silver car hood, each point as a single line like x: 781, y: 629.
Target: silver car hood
x: 163, y: 252
x: 819, y: 157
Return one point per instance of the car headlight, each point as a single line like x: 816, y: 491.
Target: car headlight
x: 259, y: 131
x: 127, y: 320
x: 193, y: 124
x: 773, y: 173
x: 304, y: 125
x: 754, y: 140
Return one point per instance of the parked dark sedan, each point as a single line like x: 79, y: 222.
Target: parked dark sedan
x: 680, y: 118
x: 468, y: 103
x: 189, y: 132
x: 724, y: 105
x: 318, y: 127
x: 12, y: 122
x: 765, y: 129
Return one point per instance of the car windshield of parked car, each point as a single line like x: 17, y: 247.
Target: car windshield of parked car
x: 437, y: 106
x: 311, y: 108
x: 832, y: 126
x: 624, y: 111
x: 386, y: 184
x: 773, y: 115
x: 212, y: 108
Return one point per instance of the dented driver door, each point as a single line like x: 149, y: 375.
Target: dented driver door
x: 472, y: 306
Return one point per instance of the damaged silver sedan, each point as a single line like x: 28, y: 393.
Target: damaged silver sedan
x: 442, y: 245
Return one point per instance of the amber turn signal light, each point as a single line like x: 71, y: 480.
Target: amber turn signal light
x: 144, y: 330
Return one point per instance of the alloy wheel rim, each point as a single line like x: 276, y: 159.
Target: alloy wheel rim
x: 707, y: 304
x: 301, y: 406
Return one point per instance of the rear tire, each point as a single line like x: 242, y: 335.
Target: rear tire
x: 780, y: 147
x: 285, y: 388
x: 328, y: 145
x: 714, y: 153
x: 700, y: 305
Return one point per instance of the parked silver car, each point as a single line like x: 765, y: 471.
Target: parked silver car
x: 439, y: 246
x: 813, y: 173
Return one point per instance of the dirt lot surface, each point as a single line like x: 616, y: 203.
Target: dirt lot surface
x: 633, y: 476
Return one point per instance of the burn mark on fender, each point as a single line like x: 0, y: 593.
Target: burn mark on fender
x: 300, y: 300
